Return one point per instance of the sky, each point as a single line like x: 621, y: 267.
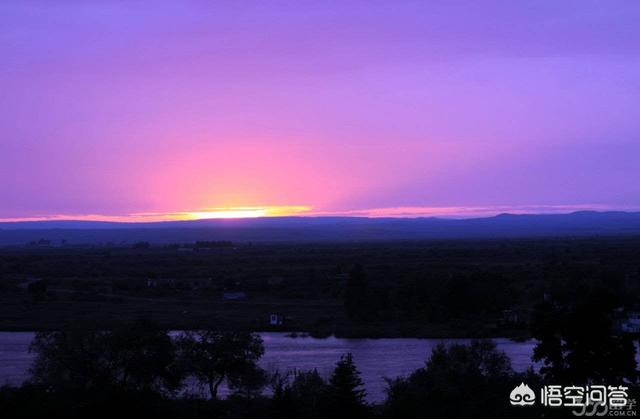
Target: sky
x: 135, y: 110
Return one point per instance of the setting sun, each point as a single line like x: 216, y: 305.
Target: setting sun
x: 245, y: 212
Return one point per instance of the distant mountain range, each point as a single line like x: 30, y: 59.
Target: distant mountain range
x: 308, y: 229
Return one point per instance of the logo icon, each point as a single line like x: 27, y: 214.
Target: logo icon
x: 522, y: 396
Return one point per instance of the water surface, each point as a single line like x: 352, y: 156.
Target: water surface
x: 375, y: 358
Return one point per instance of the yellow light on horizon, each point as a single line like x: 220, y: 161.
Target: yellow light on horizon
x: 204, y: 214
x: 244, y: 212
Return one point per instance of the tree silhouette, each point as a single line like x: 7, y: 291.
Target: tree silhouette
x: 137, y: 357
x: 298, y: 394
x: 144, y: 357
x: 213, y: 357
x: 579, y: 343
x: 345, y: 392
x: 458, y: 381
x: 249, y: 381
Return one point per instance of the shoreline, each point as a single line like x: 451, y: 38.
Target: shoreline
x: 301, y: 334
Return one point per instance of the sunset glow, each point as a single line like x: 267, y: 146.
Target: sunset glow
x: 205, y: 214
x: 293, y: 211
x: 216, y: 110
x: 244, y: 212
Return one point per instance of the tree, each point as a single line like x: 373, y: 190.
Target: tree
x: 298, y: 394
x: 355, y: 299
x: 213, y: 357
x: 578, y: 342
x: 307, y: 388
x: 143, y: 357
x: 249, y: 381
x: 136, y: 357
x: 345, y: 392
x: 282, y: 403
x: 74, y: 360
x: 457, y: 380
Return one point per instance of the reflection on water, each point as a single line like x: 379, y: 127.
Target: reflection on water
x: 375, y: 358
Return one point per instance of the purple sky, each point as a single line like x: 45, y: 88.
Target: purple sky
x: 112, y: 108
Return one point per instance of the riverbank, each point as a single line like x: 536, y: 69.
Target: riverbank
x: 318, y: 322
x: 64, y: 308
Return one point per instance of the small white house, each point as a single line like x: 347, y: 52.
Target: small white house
x: 275, y: 319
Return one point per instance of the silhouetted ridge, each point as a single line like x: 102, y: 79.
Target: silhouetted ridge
x: 300, y: 229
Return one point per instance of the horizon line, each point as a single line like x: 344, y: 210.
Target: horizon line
x: 238, y: 213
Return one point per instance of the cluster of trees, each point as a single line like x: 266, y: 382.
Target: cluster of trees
x: 578, y: 340
x: 458, y: 381
x: 140, y: 357
x: 306, y: 394
x: 140, y: 370
x: 477, y: 294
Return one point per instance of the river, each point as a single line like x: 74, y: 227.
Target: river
x: 375, y: 358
